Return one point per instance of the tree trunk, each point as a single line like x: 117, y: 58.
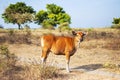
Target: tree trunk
x: 19, y: 26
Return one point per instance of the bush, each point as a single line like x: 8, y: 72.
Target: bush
x: 113, y: 44
x: 116, y: 26
x: 39, y: 72
x: 7, y: 63
x: 13, y: 36
x: 101, y: 35
x: 4, y: 51
x: 11, y: 32
x: 64, y: 26
x: 48, y: 27
x: 48, y: 72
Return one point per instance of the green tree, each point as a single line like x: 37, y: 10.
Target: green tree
x: 40, y: 16
x: 53, y: 8
x: 18, y: 13
x: 64, y: 26
x: 1, y: 27
x: 53, y: 16
x: 116, y: 23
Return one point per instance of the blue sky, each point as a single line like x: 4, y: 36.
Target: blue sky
x: 84, y: 13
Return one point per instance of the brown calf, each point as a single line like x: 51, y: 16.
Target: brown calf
x: 61, y: 45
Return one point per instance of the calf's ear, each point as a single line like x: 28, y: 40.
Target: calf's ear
x: 85, y: 33
x: 74, y: 33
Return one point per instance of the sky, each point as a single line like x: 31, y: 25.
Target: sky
x: 84, y: 13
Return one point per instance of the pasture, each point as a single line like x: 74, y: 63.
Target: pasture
x: 98, y: 57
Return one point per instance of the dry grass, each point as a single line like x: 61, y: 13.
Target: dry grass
x: 40, y: 72
x: 10, y: 71
x: 102, y: 38
x: 96, y: 38
x: 7, y: 63
x: 12, y: 36
x: 107, y: 39
x: 95, y: 42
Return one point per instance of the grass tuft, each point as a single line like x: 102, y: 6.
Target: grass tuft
x: 40, y: 72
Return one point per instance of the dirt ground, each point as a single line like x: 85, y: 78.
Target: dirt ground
x: 86, y: 64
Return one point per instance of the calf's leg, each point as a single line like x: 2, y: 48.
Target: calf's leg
x: 67, y: 62
x: 44, y: 55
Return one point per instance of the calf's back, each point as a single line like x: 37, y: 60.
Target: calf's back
x: 59, y: 45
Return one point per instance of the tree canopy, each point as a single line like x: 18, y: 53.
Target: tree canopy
x: 116, y: 22
x: 18, y: 13
x: 53, y: 15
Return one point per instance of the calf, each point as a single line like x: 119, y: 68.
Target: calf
x: 61, y: 45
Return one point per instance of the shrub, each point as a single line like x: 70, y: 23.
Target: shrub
x: 4, y: 51
x: 7, y: 63
x: 113, y: 44
x: 40, y: 72
x: 50, y: 27
x: 13, y: 36
x: 116, y: 26
x: 90, y: 29
x: 64, y: 26
x: 48, y: 72
x: 11, y: 32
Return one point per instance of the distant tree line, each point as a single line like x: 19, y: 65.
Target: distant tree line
x: 21, y: 14
x: 53, y: 16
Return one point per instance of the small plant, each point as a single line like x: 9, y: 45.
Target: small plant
x: 113, y: 67
x: 90, y: 29
x: 4, y: 51
x: 11, y: 32
x: 48, y: 71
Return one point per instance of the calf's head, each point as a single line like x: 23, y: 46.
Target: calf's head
x: 79, y: 36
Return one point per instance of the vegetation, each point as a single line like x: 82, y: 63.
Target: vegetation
x: 64, y: 26
x: 1, y: 27
x: 116, y: 22
x: 19, y: 14
x: 106, y: 39
x: 112, y: 67
x: 53, y: 16
x: 13, y: 36
x: 7, y: 63
x: 41, y: 72
x: 10, y: 71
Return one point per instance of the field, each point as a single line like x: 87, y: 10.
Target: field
x: 98, y: 57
